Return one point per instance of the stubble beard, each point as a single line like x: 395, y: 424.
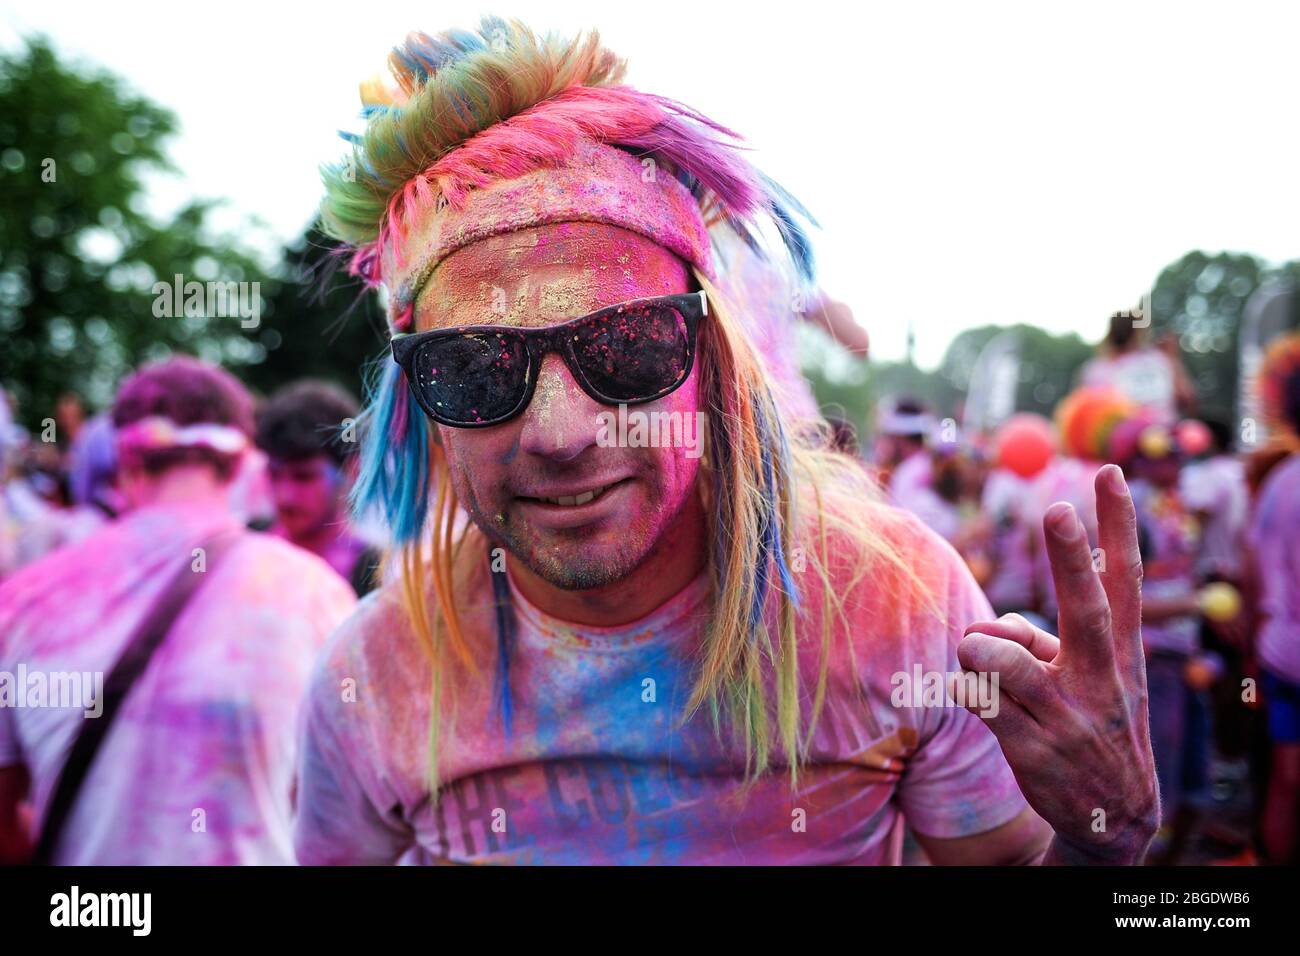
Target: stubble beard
x: 563, y: 558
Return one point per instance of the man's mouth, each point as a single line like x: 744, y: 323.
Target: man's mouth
x: 571, y: 501
x: 578, y: 506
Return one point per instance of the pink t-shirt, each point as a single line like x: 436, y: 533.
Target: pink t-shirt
x: 198, y: 765
x: 1275, y: 539
x: 597, y: 767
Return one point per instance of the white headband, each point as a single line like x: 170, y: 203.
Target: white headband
x: 158, y: 432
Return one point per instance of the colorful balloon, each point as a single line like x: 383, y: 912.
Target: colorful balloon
x: 1086, y: 417
x: 1219, y: 602
x: 1024, y: 444
x: 1193, y: 436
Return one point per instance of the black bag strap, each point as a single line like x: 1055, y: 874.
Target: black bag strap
x: 139, y: 651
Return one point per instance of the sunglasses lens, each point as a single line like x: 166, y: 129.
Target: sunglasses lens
x: 472, y: 379
x: 634, y: 354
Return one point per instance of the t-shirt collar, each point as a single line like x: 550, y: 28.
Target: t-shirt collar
x: 677, y: 617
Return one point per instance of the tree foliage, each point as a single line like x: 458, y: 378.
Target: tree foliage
x: 323, y: 324
x: 79, y: 251
x: 1200, y: 300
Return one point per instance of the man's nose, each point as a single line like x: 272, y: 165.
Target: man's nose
x: 562, y: 421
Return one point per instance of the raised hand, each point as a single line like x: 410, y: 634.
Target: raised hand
x: 1072, y: 719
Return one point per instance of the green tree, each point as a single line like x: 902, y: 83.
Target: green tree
x: 79, y: 253
x: 1200, y: 300
x: 323, y: 324
x: 1048, y: 366
x: 850, y: 389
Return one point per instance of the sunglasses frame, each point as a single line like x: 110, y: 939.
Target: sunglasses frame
x: 540, y: 342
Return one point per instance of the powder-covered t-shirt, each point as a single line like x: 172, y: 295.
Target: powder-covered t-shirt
x: 597, y: 765
x: 197, y: 767
x: 1275, y: 541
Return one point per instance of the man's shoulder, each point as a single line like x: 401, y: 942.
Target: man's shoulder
x: 378, y: 627
x: 871, y: 529
x: 68, y: 573
x: 379, y: 645
x: 899, y: 598
x: 259, y: 552
x: 886, y: 559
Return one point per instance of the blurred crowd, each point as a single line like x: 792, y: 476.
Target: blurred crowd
x: 291, y: 479
x: 1218, y: 513
x: 97, y: 511
x: 105, y: 521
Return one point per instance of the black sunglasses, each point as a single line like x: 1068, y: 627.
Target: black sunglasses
x: 624, y: 354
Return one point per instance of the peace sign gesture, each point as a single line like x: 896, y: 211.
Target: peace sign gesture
x: 1072, y: 721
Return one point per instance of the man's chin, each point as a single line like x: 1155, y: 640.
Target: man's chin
x: 580, y: 565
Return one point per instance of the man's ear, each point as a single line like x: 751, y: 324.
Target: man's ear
x: 131, y: 483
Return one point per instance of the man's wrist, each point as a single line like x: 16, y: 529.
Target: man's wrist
x: 1124, y: 852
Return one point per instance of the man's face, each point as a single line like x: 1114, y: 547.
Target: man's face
x: 308, y: 493
x: 503, y: 474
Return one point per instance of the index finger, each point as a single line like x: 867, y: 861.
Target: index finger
x: 1121, y: 574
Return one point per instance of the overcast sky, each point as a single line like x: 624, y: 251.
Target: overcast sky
x: 968, y: 162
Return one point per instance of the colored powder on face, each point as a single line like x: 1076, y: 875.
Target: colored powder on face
x: 546, y: 275
x: 550, y: 388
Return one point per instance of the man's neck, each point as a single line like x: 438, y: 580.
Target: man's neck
x: 333, y: 543
x: 190, y: 485
x: 676, y: 560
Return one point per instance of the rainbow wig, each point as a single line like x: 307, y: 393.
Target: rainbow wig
x: 422, y: 151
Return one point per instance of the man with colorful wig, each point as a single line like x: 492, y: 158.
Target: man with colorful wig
x: 641, y: 648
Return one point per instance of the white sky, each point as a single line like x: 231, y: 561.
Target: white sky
x: 969, y: 163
